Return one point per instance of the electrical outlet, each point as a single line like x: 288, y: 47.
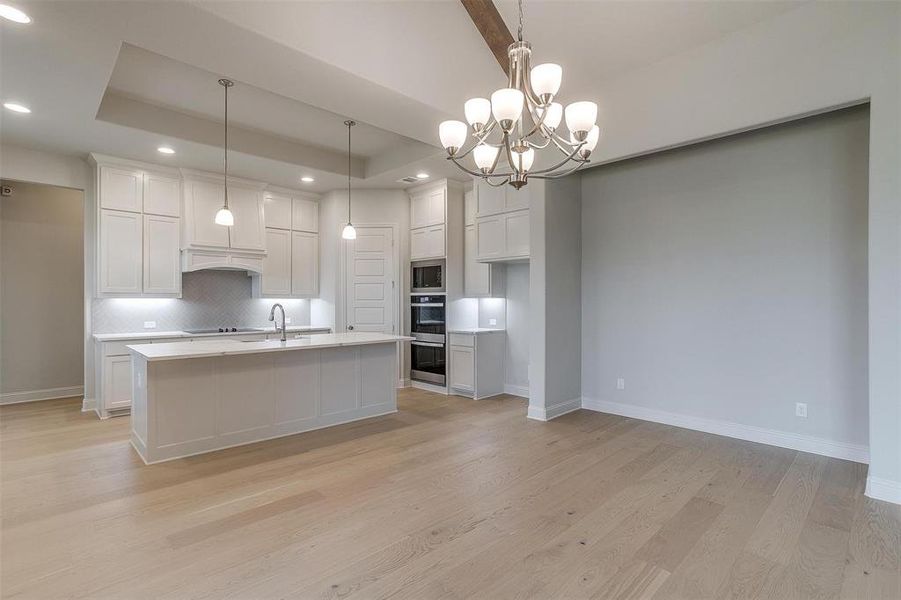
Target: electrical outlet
x: 620, y: 384
x: 287, y: 320
x: 492, y: 321
x: 149, y: 324
x: 801, y: 410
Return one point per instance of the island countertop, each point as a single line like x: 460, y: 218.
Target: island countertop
x: 227, y: 347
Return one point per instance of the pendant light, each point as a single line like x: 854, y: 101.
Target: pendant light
x: 349, y: 232
x: 224, y: 216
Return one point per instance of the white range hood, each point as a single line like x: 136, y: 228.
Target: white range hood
x: 216, y: 260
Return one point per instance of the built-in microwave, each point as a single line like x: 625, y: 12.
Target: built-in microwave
x: 427, y: 276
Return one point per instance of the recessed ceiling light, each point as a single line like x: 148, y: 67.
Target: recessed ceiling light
x: 307, y: 179
x: 422, y: 175
x: 165, y: 150
x: 16, y: 107
x: 13, y: 14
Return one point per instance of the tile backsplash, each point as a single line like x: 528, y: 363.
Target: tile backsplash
x: 209, y: 299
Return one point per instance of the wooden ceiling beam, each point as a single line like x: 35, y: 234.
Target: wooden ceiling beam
x: 488, y: 21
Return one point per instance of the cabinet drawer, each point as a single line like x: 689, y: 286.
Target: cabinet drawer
x: 462, y: 339
x: 119, y: 348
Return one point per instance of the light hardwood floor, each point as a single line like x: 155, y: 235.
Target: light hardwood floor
x: 449, y: 498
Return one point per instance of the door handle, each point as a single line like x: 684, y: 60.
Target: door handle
x: 350, y: 327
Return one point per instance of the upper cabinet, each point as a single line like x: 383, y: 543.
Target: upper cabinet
x: 248, y: 232
x: 501, y: 224
x: 138, y: 229
x: 121, y: 188
x: 204, y: 195
x: 427, y: 206
x: 291, y: 266
x: 202, y: 200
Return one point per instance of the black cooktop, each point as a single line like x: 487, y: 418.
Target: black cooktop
x: 225, y: 330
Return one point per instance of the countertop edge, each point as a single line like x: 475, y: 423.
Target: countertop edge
x: 253, y: 348
x: 122, y: 337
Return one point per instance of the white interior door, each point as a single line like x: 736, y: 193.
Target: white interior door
x: 370, y: 281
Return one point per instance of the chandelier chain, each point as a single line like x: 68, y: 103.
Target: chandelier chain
x: 519, y: 31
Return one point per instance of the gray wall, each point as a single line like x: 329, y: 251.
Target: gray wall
x: 209, y: 299
x: 41, y: 302
x: 728, y: 280
x: 516, y: 362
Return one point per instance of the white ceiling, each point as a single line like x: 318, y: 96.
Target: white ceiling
x: 121, y: 78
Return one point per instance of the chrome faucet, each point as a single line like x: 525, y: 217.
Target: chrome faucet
x: 272, y: 318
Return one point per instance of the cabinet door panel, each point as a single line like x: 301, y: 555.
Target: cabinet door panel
x: 476, y: 275
x: 435, y: 241
x: 202, y: 200
x: 490, y: 237
x: 419, y: 210
x: 436, y: 206
x: 162, y: 195
x: 120, y: 252
x: 516, y: 199
x: 304, y: 264
x: 462, y: 368
x: 162, y: 272
x: 276, y: 277
x: 121, y: 189
x: 117, y: 382
x: 306, y: 215
x: 489, y: 199
x: 517, y: 233
x: 419, y: 244
x: 277, y: 211
x: 248, y: 232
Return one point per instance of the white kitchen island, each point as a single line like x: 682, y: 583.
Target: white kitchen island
x: 195, y: 397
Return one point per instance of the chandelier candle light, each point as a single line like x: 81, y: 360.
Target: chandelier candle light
x: 224, y: 216
x: 528, y: 119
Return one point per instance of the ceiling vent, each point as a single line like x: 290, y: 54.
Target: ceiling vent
x: 412, y: 179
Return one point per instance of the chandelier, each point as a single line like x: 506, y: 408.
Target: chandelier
x: 527, y: 118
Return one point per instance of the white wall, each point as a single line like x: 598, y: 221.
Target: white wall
x: 41, y: 311
x: 727, y: 281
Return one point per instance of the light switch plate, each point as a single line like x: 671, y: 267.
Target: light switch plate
x: 149, y: 324
x: 620, y: 384
x: 801, y: 410
x: 492, y: 321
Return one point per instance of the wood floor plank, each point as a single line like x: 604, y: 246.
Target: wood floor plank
x: 448, y: 498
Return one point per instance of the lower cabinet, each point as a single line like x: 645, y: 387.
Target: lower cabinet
x: 116, y: 389
x: 476, y: 363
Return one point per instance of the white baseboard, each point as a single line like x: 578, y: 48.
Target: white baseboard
x: 48, y: 394
x: 89, y: 405
x: 772, y: 437
x: 884, y: 489
x: 546, y: 413
x: 403, y: 383
x: 429, y: 387
x: 516, y: 390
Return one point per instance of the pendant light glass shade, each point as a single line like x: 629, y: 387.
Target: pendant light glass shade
x: 581, y: 116
x: 349, y: 233
x: 477, y: 111
x: 506, y: 105
x: 546, y: 79
x: 484, y: 156
x: 524, y: 160
x: 452, y: 134
x: 225, y: 217
x: 554, y: 115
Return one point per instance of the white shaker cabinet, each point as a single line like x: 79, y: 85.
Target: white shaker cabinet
x: 305, y: 215
x: 277, y: 211
x: 476, y: 363
x: 276, y: 277
x: 503, y: 237
x: 203, y: 199
x: 121, y: 188
x: 162, y: 195
x: 427, y: 242
x: 161, y: 264
x: 117, y: 382
x: 427, y: 207
x: 248, y: 232
x: 120, y: 252
x: 462, y: 368
x: 480, y: 279
x: 304, y: 264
